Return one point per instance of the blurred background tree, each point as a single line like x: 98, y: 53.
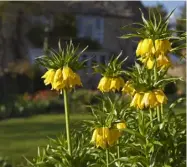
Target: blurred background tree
x: 181, y: 21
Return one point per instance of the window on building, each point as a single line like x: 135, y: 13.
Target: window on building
x: 90, y: 27
x: 103, y: 59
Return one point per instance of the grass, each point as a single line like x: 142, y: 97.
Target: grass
x: 22, y: 136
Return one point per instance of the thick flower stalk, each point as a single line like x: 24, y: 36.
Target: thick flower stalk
x: 108, y: 84
x: 62, y: 76
x: 149, y: 99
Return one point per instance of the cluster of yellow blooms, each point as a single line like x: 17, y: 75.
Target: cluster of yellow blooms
x: 62, y: 78
x: 149, y: 51
x: 140, y: 100
x: 104, y: 137
x: 149, y: 99
x: 107, y: 84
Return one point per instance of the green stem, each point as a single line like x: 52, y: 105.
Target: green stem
x: 162, y: 111
x: 118, y: 152
x: 158, y: 113
x: 67, y: 120
x: 155, y: 71
x: 107, y: 158
x: 151, y: 117
x: 156, y: 78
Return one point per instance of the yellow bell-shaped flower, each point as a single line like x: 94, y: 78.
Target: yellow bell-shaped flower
x: 146, y: 47
x: 70, y: 78
x: 58, y: 83
x: 163, y: 61
x: 105, y: 137
x: 121, y: 125
x: 113, y: 137
x: 116, y: 84
x: 49, y: 77
x: 160, y: 96
x: 150, y: 62
x: 100, y: 137
x: 139, y: 48
x: 162, y: 46
x: 136, y: 101
x: 128, y: 88
x: 153, y: 98
x: 104, y: 84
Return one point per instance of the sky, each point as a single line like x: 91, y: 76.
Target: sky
x: 169, y: 5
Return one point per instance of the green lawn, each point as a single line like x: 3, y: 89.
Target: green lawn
x: 22, y: 136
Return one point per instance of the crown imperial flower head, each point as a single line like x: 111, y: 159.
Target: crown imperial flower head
x: 62, y: 67
x: 107, y: 84
x: 105, y: 137
x: 149, y: 99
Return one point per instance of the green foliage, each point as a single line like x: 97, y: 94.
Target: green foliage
x: 112, y: 69
x: 159, y: 9
x: 143, y: 79
x: 152, y: 28
x: 109, y: 110
x: 154, y: 137
x: 4, y: 162
x: 65, y: 57
x: 56, y: 153
x: 27, y: 105
x: 81, y: 98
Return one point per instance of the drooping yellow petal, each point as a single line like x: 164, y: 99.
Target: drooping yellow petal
x: 152, y: 100
x: 160, y: 96
x: 113, y: 137
x: 104, y: 84
x: 128, y: 88
x: 49, y: 76
x: 101, y: 142
x: 121, y: 125
x: 94, y: 136
x: 139, y: 100
x: 145, y: 99
x: 163, y: 61
x: 162, y: 46
x: 103, y: 134
x: 67, y: 73
x: 58, y: 80
x: 150, y: 63
x: 70, y: 78
x: 138, y: 50
x: 134, y: 100
x: 146, y: 46
x: 116, y: 84
x: 77, y: 80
